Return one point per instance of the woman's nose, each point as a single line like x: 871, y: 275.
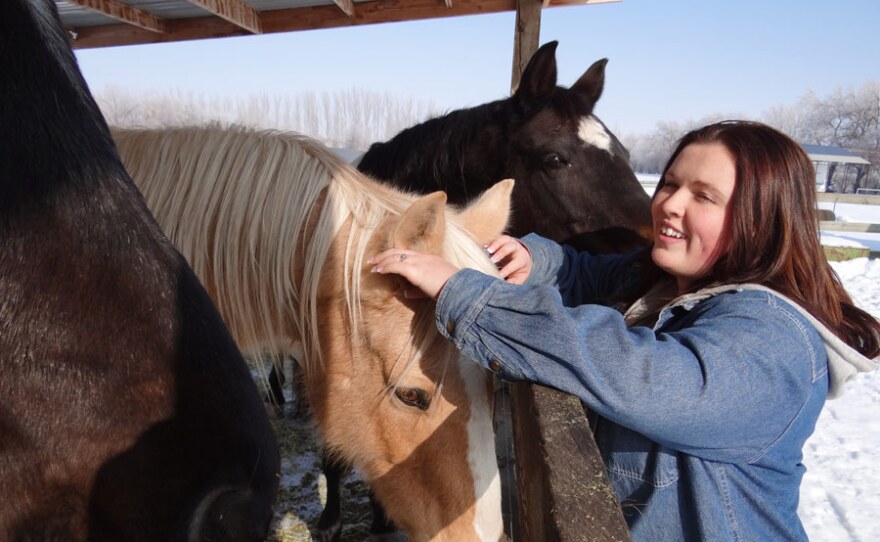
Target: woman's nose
x: 674, y: 203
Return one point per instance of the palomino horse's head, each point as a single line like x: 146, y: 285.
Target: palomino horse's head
x: 394, y: 396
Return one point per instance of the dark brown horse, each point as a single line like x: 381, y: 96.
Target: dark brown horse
x: 126, y: 411
x: 572, y: 174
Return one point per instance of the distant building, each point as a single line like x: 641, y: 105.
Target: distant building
x: 826, y: 159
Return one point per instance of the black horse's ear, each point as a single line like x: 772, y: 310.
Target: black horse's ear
x: 539, y: 78
x: 592, y: 82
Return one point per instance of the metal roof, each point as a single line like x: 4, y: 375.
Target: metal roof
x: 101, y: 23
x: 824, y: 153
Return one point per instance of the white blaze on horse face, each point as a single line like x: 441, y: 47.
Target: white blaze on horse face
x: 488, y: 522
x: 592, y: 132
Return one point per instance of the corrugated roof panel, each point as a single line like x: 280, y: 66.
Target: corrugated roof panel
x: 169, y: 9
x: 837, y: 158
x: 825, y: 153
x: 826, y: 149
x: 96, y: 30
x: 271, y: 5
x: 74, y: 15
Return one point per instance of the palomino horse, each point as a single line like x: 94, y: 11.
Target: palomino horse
x: 572, y: 174
x: 126, y: 410
x: 573, y: 179
x: 278, y: 229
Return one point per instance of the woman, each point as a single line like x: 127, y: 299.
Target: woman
x: 712, y: 380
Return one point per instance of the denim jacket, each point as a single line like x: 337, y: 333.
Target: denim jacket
x: 702, y: 418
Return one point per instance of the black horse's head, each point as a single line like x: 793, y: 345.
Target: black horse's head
x: 573, y: 172
x: 573, y: 179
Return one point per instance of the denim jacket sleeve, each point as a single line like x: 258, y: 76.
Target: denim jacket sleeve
x: 579, y: 276
x: 721, y: 380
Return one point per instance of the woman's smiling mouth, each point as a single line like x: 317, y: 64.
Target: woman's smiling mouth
x: 671, y: 232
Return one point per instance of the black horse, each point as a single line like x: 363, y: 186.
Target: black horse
x: 126, y: 411
x: 573, y: 179
x: 572, y: 174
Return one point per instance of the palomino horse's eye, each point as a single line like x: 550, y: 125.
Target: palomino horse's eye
x: 554, y: 161
x: 413, y: 397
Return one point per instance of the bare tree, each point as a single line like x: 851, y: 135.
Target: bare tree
x: 850, y: 119
x: 787, y: 119
x: 352, y: 118
x: 650, y: 152
x: 847, y: 118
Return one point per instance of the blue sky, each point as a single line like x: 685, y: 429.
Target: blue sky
x: 669, y: 60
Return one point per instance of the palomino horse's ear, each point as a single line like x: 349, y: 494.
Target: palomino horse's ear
x: 539, y: 78
x: 486, y: 218
x: 592, y: 82
x: 423, y: 225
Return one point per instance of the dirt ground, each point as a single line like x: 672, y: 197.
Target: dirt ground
x: 303, y: 490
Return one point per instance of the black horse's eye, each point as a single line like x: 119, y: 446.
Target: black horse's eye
x: 413, y: 397
x: 554, y: 161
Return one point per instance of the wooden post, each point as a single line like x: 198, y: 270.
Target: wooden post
x: 526, y: 37
x: 555, y: 488
x: 525, y: 43
x: 564, y: 492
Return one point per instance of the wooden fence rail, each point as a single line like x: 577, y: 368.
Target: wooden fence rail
x: 562, y: 490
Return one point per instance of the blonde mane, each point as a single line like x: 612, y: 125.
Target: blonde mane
x: 235, y: 202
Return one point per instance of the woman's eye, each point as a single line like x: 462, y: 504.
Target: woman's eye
x: 413, y: 397
x: 554, y: 161
x: 705, y: 197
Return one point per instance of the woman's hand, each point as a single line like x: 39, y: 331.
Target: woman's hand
x: 512, y: 258
x: 427, y: 273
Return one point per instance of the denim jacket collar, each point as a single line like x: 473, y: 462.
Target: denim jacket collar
x: 844, y: 362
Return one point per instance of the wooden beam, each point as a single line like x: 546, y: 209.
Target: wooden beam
x: 294, y: 19
x: 548, y: 3
x: 527, y: 34
x: 125, y: 13
x: 234, y: 11
x: 347, y: 6
x: 379, y: 11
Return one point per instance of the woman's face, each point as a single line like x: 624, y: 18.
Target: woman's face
x: 690, y: 212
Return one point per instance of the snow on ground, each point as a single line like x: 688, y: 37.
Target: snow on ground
x: 840, y: 494
x: 849, y: 212
x: 853, y: 212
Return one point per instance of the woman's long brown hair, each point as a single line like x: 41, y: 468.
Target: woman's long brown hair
x: 774, y: 225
